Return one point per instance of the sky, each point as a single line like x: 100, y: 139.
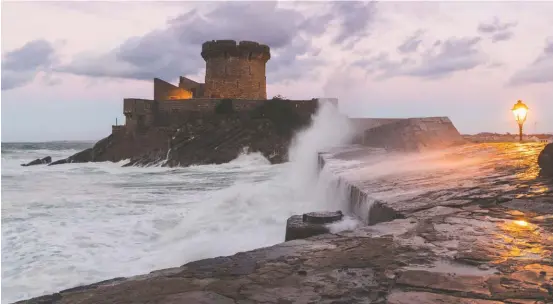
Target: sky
x: 68, y: 66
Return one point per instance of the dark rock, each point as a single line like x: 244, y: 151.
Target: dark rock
x: 217, y: 140
x: 204, y: 138
x: 322, y: 217
x: 48, y: 299
x: 92, y: 286
x: 59, y: 162
x: 310, y: 224
x: 38, y: 161
x: 81, y: 157
x: 379, y: 213
x: 545, y: 160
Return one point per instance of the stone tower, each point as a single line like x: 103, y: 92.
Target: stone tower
x: 235, y: 70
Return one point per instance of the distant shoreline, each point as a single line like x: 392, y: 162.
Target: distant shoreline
x: 50, y: 141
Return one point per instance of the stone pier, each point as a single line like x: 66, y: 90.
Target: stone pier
x: 466, y: 224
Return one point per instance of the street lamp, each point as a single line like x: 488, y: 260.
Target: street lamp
x: 520, y: 110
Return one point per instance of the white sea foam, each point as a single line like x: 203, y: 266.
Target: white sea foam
x: 347, y: 223
x: 80, y: 223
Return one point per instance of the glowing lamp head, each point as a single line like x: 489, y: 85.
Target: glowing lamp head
x: 520, y: 110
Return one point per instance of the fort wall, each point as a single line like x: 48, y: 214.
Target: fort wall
x: 196, y: 88
x: 166, y: 91
x: 194, y: 104
x: 364, y: 124
x: 361, y: 125
x: 235, y: 70
x: 117, y: 130
x: 414, y: 134
x: 137, y: 105
x: 141, y: 113
x: 209, y: 104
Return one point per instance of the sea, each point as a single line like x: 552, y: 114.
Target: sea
x: 74, y: 224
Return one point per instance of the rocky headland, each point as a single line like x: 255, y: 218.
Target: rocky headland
x: 204, y: 138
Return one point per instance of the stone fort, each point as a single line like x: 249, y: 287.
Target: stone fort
x: 234, y: 71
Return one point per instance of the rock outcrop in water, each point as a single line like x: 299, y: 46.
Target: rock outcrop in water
x: 116, y: 148
x: 212, y: 122
x: 545, y: 160
x: 207, y: 138
x: 38, y: 161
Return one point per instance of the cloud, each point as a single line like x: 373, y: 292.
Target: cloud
x: 442, y: 59
x: 539, y: 71
x: 355, y: 19
x: 175, y: 50
x: 497, y: 31
x: 20, y: 66
x: 453, y: 55
x: 411, y: 44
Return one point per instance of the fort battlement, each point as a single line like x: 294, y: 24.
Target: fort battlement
x: 234, y: 75
x: 248, y: 50
x: 134, y: 107
x: 235, y: 70
x: 142, y: 114
x: 118, y: 130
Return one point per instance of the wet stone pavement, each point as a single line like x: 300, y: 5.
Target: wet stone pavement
x: 468, y: 226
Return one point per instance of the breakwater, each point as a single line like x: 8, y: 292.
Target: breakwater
x: 476, y: 228
x: 458, y: 224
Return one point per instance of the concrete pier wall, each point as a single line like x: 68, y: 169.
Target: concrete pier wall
x: 414, y: 134
x: 359, y: 203
x: 387, y: 137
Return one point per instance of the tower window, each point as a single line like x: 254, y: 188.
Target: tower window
x: 237, y: 83
x: 250, y: 68
x: 250, y: 56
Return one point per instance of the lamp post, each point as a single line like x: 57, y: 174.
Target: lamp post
x: 520, y: 110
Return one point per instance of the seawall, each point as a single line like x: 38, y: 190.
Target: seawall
x: 463, y: 224
x: 472, y: 232
x: 382, y: 139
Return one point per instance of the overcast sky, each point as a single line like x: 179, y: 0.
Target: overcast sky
x: 66, y: 66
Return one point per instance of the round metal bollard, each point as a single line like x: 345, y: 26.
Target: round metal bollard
x: 310, y: 224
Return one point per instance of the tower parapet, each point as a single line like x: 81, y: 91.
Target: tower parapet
x: 235, y: 70
x: 229, y: 48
